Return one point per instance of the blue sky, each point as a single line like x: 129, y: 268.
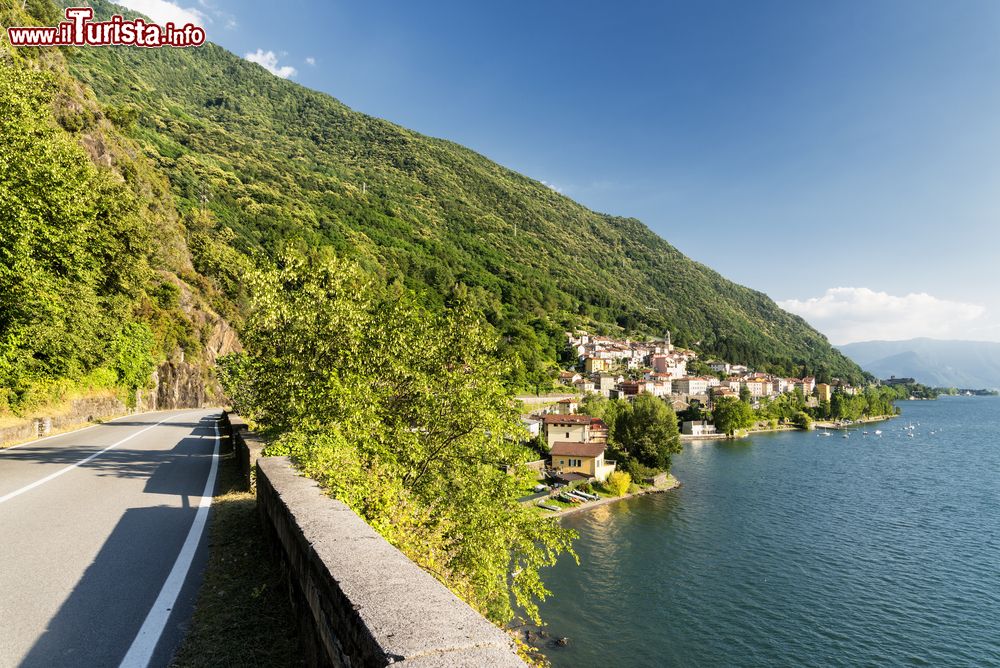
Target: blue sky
x: 843, y: 157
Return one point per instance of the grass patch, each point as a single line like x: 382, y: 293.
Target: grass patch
x: 242, y: 616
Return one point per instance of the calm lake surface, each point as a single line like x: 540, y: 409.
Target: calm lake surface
x: 798, y: 550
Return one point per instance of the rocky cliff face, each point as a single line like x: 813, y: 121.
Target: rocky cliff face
x: 177, y: 385
x: 183, y: 383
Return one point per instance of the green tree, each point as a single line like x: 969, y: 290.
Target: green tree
x: 594, y: 404
x: 731, y: 415
x: 645, y: 432
x: 694, y: 412
x: 802, y: 420
x: 401, y: 412
x: 133, y: 358
x: 71, y: 264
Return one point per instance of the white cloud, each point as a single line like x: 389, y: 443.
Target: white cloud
x: 847, y: 315
x: 228, y: 20
x: 311, y: 61
x: 163, y: 12
x: 552, y: 186
x: 269, y: 61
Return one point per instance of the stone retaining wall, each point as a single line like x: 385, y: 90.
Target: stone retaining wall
x: 359, y: 600
x: 246, y: 444
x: 80, y: 412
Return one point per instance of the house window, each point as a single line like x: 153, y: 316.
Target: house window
x: 562, y: 462
x: 567, y: 434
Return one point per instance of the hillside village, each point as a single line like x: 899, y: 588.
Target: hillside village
x: 624, y: 369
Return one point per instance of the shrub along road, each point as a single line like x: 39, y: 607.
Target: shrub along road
x: 102, y: 544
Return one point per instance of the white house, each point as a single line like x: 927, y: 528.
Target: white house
x: 720, y: 367
x: 697, y: 428
x: 690, y: 385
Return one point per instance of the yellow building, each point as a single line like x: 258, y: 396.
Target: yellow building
x: 566, y: 428
x: 824, y: 391
x: 596, y: 364
x: 582, y: 458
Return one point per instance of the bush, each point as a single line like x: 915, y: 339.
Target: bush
x: 802, y: 420
x: 133, y: 357
x: 401, y: 413
x: 166, y: 295
x: 123, y: 116
x: 619, y: 483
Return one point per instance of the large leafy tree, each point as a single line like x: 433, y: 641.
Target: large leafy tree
x: 730, y: 415
x: 400, y: 411
x: 644, y: 431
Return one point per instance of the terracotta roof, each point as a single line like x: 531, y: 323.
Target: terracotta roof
x: 567, y: 419
x: 576, y: 449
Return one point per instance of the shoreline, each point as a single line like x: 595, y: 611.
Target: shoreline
x: 819, y: 424
x: 828, y: 424
x: 671, y: 484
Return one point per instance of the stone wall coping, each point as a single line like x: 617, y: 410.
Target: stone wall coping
x: 372, y: 606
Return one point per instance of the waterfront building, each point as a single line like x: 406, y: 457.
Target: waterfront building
x: 566, y: 428
x: 586, y: 459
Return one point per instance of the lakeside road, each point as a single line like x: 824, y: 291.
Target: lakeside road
x: 102, y: 548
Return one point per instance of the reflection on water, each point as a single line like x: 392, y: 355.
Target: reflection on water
x: 795, y: 550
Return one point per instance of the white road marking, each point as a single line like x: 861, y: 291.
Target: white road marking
x: 75, y: 431
x: 50, y: 477
x: 141, y: 651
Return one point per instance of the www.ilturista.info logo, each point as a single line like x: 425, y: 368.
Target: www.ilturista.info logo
x: 79, y: 30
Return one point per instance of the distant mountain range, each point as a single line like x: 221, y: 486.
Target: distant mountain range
x: 962, y: 364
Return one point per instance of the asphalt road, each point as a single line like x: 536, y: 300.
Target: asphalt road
x: 102, y: 541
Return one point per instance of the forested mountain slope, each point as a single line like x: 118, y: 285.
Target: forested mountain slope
x: 256, y: 163
x: 97, y: 289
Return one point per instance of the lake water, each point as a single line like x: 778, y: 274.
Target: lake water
x: 793, y: 549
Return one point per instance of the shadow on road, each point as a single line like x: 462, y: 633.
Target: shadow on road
x: 128, y: 461
x: 100, y: 617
